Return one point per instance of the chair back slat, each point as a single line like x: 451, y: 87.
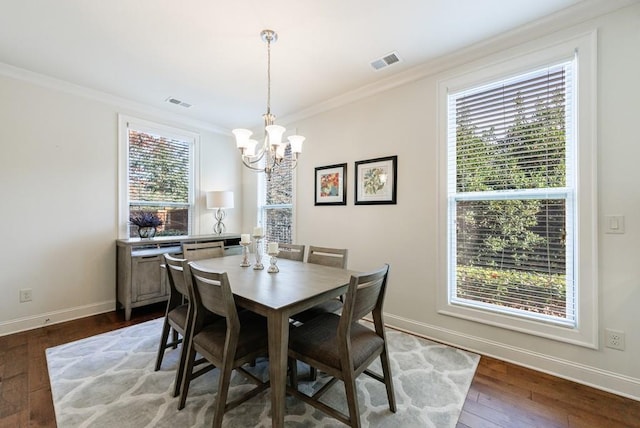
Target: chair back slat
x: 334, y: 257
x: 175, y: 274
x: 212, y: 292
x: 364, y: 295
x: 291, y: 251
x: 202, y: 250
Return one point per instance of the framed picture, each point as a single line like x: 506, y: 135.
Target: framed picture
x: 331, y: 185
x: 376, y: 181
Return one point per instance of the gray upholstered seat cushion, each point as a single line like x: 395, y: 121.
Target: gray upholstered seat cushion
x: 318, y: 340
x: 179, y: 315
x: 330, y: 306
x: 253, y: 335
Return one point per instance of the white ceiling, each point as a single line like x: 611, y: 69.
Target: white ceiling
x: 208, y: 53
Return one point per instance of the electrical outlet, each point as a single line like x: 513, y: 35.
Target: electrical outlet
x: 25, y: 295
x: 614, y: 339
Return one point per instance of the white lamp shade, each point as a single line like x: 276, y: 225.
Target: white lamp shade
x: 280, y: 151
x: 242, y: 137
x: 219, y: 199
x: 250, y: 149
x: 296, y: 143
x: 275, y: 134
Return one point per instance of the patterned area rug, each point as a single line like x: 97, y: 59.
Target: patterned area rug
x: 108, y: 381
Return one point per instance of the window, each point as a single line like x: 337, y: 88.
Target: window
x: 159, y: 165
x: 518, y: 185
x: 275, y: 202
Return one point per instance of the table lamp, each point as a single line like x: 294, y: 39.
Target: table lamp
x: 218, y: 200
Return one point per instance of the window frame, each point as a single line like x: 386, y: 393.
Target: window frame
x: 126, y: 123
x: 583, y: 49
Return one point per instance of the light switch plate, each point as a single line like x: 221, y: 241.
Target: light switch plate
x: 614, y: 224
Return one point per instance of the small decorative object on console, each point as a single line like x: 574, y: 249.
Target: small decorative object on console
x: 147, y: 222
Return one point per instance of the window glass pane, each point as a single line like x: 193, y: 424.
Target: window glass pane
x: 512, y: 136
x: 276, y: 213
x: 511, y: 228
x: 159, y: 180
x: 279, y: 188
x: 512, y: 254
x: 278, y: 224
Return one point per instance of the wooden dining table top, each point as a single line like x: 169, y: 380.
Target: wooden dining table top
x: 296, y: 287
x: 294, y: 283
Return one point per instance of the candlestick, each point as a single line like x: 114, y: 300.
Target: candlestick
x: 245, y: 253
x: 273, y: 266
x: 272, y: 250
x: 272, y: 247
x: 257, y: 239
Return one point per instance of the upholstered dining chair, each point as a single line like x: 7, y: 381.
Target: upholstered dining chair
x: 237, y: 339
x: 202, y: 250
x: 343, y: 348
x: 334, y: 257
x: 176, y: 315
x: 291, y: 251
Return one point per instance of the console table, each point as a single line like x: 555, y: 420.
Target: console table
x: 140, y: 277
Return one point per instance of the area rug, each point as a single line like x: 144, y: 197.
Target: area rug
x: 109, y: 381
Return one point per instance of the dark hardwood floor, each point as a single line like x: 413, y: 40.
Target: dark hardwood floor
x: 501, y: 395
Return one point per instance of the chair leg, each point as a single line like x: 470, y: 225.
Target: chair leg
x: 175, y: 338
x: 163, y: 343
x: 186, y: 377
x: 293, y: 372
x: 221, y: 397
x: 388, y: 380
x: 352, y: 399
x: 313, y: 373
x: 180, y: 372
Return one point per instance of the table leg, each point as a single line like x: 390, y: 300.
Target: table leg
x: 278, y: 346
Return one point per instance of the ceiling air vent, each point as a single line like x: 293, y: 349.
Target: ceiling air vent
x: 385, y: 61
x: 178, y: 102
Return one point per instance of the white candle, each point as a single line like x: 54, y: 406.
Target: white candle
x: 257, y: 231
x: 245, y: 238
x: 272, y: 248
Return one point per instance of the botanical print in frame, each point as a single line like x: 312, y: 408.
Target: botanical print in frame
x: 376, y: 181
x: 331, y: 185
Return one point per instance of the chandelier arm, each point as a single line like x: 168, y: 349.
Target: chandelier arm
x: 250, y: 166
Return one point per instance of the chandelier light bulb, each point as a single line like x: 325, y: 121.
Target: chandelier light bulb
x: 251, y: 148
x: 296, y: 143
x: 275, y: 133
x: 242, y: 137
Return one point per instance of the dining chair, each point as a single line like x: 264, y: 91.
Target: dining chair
x: 176, y: 315
x: 291, y: 252
x: 175, y: 318
x: 334, y: 257
x: 202, y: 250
x: 237, y: 339
x: 343, y: 348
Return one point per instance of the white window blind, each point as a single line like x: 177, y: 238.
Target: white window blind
x: 511, y: 195
x: 159, y: 179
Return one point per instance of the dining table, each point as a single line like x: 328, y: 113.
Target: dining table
x: 296, y: 287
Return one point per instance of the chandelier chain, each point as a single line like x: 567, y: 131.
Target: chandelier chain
x: 268, y: 75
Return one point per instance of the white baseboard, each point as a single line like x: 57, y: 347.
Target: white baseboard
x: 615, y: 383
x: 55, y: 317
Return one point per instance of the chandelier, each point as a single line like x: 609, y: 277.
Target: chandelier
x: 273, y: 150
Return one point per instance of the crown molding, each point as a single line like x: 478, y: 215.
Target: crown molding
x: 119, y: 103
